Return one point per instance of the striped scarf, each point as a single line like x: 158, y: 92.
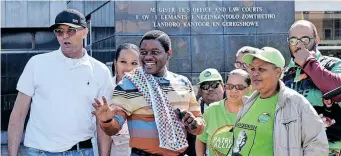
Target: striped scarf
x: 171, y: 134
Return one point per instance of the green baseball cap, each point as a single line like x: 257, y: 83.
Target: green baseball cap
x: 210, y: 74
x: 267, y: 54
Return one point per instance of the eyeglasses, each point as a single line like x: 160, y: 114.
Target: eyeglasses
x: 209, y: 85
x: 239, y: 65
x: 238, y: 86
x: 152, y: 52
x: 294, y: 41
x: 69, y: 31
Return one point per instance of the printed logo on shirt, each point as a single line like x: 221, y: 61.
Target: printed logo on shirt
x: 264, y: 117
x: 222, y: 140
x: 240, y: 143
x: 244, y: 135
x: 246, y: 126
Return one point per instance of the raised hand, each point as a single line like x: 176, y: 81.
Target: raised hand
x: 302, y: 54
x: 103, y: 112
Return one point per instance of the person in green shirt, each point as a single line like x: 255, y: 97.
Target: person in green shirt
x: 276, y: 120
x: 220, y: 116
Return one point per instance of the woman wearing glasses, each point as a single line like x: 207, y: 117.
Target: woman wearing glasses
x: 220, y: 116
x: 276, y: 120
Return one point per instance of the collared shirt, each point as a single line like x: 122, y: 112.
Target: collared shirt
x: 141, y: 122
x: 62, y: 91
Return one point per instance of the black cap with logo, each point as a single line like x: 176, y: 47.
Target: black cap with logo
x: 70, y: 17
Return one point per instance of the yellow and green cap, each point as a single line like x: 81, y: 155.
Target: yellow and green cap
x: 267, y: 54
x: 210, y: 74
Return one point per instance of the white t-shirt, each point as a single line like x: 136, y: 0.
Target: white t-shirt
x: 62, y: 91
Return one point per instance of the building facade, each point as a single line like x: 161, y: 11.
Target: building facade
x: 326, y: 16
x: 25, y: 32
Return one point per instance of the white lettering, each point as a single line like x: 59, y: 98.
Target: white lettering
x: 258, y: 16
x: 166, y: 24
x: 217, y: 17
x: 252, y: 9
x: 240, y: 24
x: 205, y: 9
x: 220, y: 9
x: 166, y: 9
x: 183, y: 9
x: 234, y: 9
x: 197, y: 24
x: 173, y: 17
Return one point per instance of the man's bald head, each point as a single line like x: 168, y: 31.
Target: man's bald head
x: 304, y: 23
x: 303, y: 29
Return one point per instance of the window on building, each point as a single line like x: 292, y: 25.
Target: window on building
x: 337, y: 33
x: 337, y: 28
x: 327, y: 34
x: 87, y: 40
x: 28, y: 39
x: 12, y: 39
x: 45, y: 40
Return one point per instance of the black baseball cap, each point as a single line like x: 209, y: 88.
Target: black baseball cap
x: 70, y: 17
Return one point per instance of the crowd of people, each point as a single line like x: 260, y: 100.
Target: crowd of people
x: 77, y: 107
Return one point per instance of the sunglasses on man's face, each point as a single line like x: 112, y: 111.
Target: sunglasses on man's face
x: 294, y: 40
x: 237, y: 86
x: 69, y: 31
x: 209, y: 85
